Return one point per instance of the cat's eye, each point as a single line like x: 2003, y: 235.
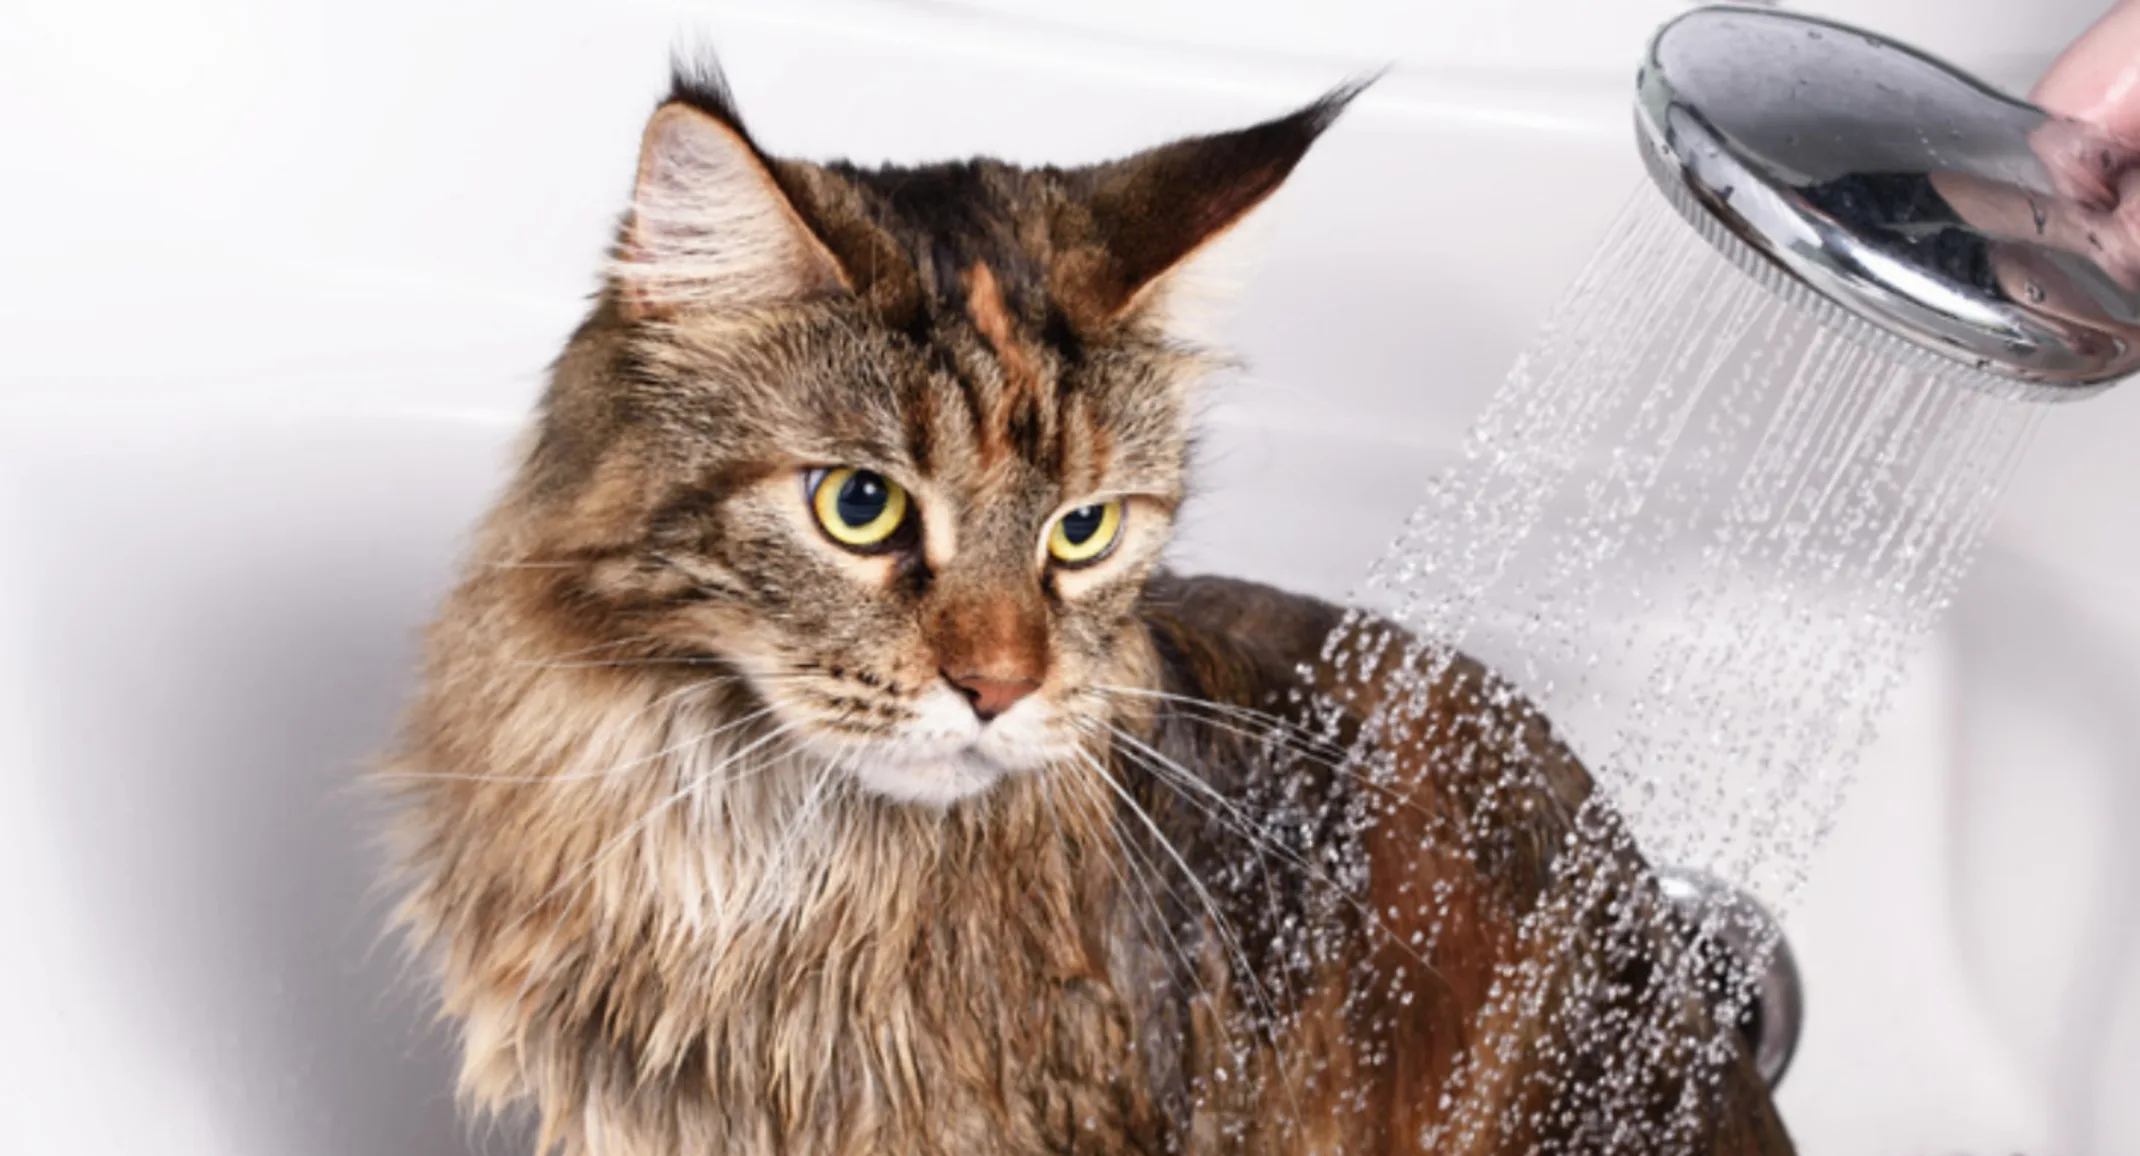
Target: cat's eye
x: 1086, y: 534
x: 858, y: 508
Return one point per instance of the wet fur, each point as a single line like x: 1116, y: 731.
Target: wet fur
x: 668, y: 908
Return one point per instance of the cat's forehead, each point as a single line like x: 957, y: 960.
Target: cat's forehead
x: 981, y: 405
x: 943, y: 222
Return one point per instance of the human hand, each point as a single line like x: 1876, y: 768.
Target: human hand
x: 2091, y: 146
x: 2097, y: 79
x: 2090, y: 151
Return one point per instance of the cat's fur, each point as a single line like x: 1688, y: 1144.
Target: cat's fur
x: 712, y: 859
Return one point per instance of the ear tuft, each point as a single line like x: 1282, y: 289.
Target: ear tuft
x: 1152, y: 212
x: 696, y: 79
x: 710, y: 227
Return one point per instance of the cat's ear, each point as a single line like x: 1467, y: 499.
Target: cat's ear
x: 709, y: 225
x: 1152, y: 217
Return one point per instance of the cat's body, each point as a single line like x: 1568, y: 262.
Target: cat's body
x: 750, y: 816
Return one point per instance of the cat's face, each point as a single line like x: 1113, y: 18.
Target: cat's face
x: 899, y: 448
x: 925, y: 566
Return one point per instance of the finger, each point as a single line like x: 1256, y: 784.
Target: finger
x: 2098, y: 79
x: 2084, y: 165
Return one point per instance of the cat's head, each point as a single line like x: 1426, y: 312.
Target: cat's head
x: 898, y: 445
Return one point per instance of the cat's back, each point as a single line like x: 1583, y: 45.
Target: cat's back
x: 1412, y: 818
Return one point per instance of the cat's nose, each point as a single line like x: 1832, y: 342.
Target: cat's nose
x: 991, y: 696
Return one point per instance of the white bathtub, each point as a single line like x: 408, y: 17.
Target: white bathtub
x: 280, y: 285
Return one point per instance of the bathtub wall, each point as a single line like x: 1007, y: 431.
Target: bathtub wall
x: 282, y: 279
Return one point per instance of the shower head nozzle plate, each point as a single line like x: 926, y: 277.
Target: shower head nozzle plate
x: 1921, y: 202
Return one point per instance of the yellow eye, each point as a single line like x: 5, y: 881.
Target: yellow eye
x: 1085, y: 534
x: 858, y: 508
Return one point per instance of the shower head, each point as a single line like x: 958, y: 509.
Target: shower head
x: 1959, y: 229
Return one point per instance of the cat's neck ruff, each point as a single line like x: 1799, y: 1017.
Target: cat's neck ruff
x: 772, y: 904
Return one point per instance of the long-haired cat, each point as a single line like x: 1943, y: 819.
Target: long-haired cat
x: 814, y: 760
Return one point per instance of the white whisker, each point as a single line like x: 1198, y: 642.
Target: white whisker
x: 1168, y: 771
x: 1146, y: 874
x: 1228, y: 940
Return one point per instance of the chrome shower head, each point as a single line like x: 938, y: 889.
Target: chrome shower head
x: 1895, y: 196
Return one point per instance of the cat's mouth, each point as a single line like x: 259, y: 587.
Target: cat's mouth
x: 930, y: 749
x: 944, y: 754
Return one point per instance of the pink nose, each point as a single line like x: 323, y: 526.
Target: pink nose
x: 991, y: 696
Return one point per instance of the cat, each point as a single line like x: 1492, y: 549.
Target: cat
x: 814, y: 757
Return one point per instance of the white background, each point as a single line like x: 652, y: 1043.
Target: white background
x: 278, y: 280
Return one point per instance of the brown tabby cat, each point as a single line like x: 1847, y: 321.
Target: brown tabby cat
x: 814, y: 761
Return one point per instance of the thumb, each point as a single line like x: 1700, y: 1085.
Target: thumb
x: 2097, y: 79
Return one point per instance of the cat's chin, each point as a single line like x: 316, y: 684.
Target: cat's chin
x: 933, y: 782
x: 948, y: 756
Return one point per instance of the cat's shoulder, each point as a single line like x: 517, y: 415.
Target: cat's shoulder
x: 1240, y: 613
